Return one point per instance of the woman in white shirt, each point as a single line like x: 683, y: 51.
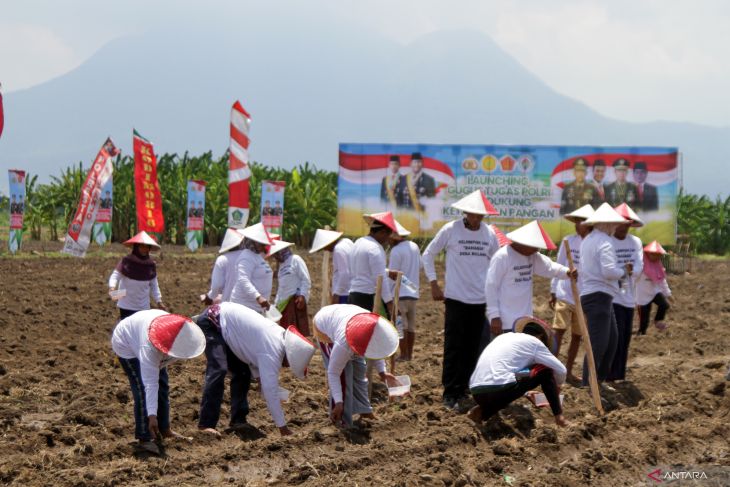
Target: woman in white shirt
x: 405, y: 256
x: 292, y: 292
x: 254, y: 278
x: 136, y: 276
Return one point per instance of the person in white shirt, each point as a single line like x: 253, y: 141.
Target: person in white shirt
x: 347, y: 335
x: 136, y: 277
x: 145, y: 344
x: 598, y: 278
x: 561, y: 293
x: 469, y: 244
x: 405, y: 256
x: 513, y: 364
x: 509, y: 279
x: 367, y: 262
x: 629, y: 255
x: 341, y: 248
x: 254, y: 278
x: 243, y: 343
x: 223, y: 276
x: 652, y: 288
x: 292, y: 293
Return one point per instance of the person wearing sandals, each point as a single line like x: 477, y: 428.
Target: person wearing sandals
x: 136, y: 277
x: 652, y: 288
x: 145, y: 344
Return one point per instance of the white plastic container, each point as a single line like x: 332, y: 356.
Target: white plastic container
x: 273, y: 314
x: 542, y: 402
x: 283, y: 394
x: 402, y: 389
x: 117, y: 294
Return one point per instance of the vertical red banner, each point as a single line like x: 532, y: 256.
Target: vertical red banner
x: 146, y: 187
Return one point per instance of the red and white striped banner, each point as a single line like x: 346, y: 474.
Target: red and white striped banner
x: 239, y: 172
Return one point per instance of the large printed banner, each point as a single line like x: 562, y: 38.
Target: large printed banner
x: 146, y: 187
x: 79, y: 232
x: 420, y: 182
x: 17, y: 209
x: 272, y: 205
x: 196, y: 215
x: 102, y: 232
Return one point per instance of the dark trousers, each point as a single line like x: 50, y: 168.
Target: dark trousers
x: 624, y: 324
x: 645, y: 312
x: 141, y: 427
x: 603, y: 332
x: 363, y: 300
x: 493, y: 399
x: 220, y: 360
x: 463, y: 328
x: 124, y: 313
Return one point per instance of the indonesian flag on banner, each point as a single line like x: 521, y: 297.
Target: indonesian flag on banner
x: 146, y: 188
x: 239, y: 172
x: 79, y: 232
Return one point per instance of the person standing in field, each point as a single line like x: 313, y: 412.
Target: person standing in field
x: 629, y: 254
x: 469, y: 244
x: 341, y: 248
x: 405, y: 256
x: 652, y: 288
x: 254, y: 278
x: 561, y: 294
x: 223, y: 276
x: 292, y: 294
x: 136, y: 276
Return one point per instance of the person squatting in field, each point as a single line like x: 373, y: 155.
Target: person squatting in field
x: 652, y: 288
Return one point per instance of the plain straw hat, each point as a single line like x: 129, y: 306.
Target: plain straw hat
x: 521, y: 323
x: 371, y: 336
x: 176, y: 336
x: 142, y: 238
x: 277, y: 246
x: 299, y: 351
x: 625, y: 211
x: 385, y: 219
x: 257, y: 233
x: 231, y: 240
x: 605, y: 214
x: 655, y: 248
x: 532, y: 235
x: 322, y: 238
x: 477, y: 203
x: 581, y: 214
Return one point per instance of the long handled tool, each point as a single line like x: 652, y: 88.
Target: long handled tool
x: 325, y: 300
x: 394, y: 317
x: 592, y: 378
x: 376, y: 308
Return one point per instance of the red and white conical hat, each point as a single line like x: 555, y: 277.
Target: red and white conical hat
x: 257, y: 233
x: 371, y: 336
x: 322, y: 238
x: 277, y: 246
x: 605, y: 214
x: 143, y: 238
x: 582, y: 213
x: 384, y: 218
x: 520, y: 324
x: 299, y: 351
x: 176, y: 336
x: 401, y: 230
x: 532, y: 235
x: 655, y: 248
x: 476, y: 203
x: 501, y: 237
x: 231, y: 240
x: 625, y: 211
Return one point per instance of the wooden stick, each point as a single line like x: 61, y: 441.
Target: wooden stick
x: 326, y: 296
x: 592, y: 378
x: 376, y: 307
x: 394, y: 317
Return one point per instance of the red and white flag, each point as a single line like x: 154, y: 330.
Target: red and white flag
x: 239, y: 172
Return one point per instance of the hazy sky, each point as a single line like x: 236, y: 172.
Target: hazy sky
x: 639, y: 60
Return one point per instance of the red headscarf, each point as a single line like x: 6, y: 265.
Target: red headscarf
x: 655, y: 270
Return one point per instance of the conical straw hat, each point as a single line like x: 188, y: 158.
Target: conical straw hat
x: 532, y: 235
x: 384, y: 218
x: 277, y: 246
x: 625, y: 211
x: 655, y: 248
x: 401, y: 229
x: 142, y: 238
x: 371, y: 336
x: 322, y: 238
x: 257, y: 233
x: 501, y: 237
x: 605, y: 214
x: 582, y: 213
x: 299, y: 351
x: 231, y: 240
x: 176, y: 336
x: 477, y: 203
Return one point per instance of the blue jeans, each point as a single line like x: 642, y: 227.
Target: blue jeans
x: 220, y: 361
x: 141, y: 428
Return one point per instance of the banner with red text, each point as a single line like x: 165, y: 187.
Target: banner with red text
x: 146, y: 187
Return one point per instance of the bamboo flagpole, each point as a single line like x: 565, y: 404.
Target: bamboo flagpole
x: 592, y: 378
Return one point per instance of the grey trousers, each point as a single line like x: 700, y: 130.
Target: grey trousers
x: 603, y: 332
x: 354, y: 385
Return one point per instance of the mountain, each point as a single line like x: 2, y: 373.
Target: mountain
x: 309, y: 87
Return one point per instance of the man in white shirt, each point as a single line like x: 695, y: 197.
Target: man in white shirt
x: 367, y: 262
x: 223, y: 276
x: 341, y: 248
x: 561, y: 293
x: 629, y: 255
x: 254, y: 278
x: 292, y: 293
x: 513, y: 364
x: 347, y: 335
x: 145, y: 344
x: 469, y: 244
x: 405, y: 256
x: 244, y: 343
x: 509, y: 279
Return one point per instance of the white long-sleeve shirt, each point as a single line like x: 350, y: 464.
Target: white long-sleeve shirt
x: 646, y: 289
x: 259, y: 343
x: 599, y: 270
x: 561, y: 287
x: 341, y: 267
x: 467, y: 259
x: 406, y: 257
x: 509, y: 353
x: 254, y: 278
x: 332, y: 321
x: 293, y: 279
x: 367, y: 262
x: 223, y: 276
x: 138, y: 292
x: 130, y: 339
x: 509, y: 283
x: 628, y: 250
